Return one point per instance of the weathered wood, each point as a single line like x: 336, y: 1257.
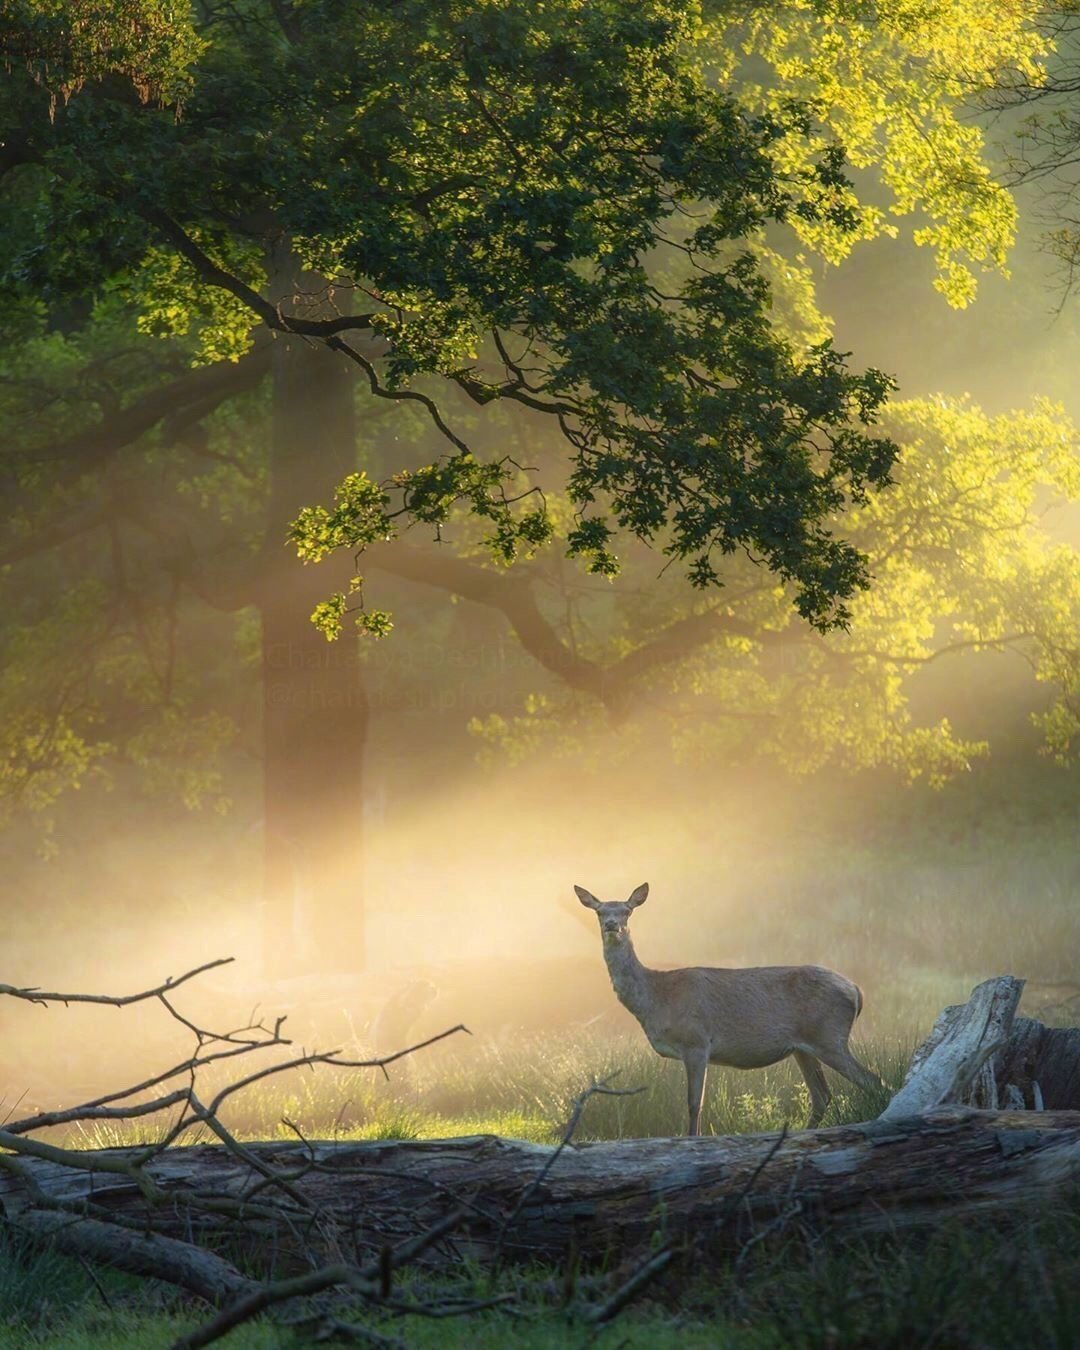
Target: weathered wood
x: 954, y: 1062
x: 613, y: 1196
x: 980, y: 1054
x: 1041, y: 1064
x: 140, y: 1253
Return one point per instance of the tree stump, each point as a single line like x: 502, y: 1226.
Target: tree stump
x: 981, y: 1054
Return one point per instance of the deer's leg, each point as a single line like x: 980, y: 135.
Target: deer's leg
x: 843, y: 1061
x: 820, y: 1096
x: 696, y: 1065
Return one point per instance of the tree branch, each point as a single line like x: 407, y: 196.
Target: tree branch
x: 33, y: 995
x: 44, y: 537
x: 512, y: 594
x: 207, y: 386
x: 270, y: 314
x: 509, y: 593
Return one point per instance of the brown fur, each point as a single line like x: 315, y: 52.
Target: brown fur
x: 744, y: 1018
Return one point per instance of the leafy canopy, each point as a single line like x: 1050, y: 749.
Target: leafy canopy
x: 488, y: 184
x: 565, y: 216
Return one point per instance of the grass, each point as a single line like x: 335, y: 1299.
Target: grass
x: 983, y: 1286
x: 526, y: 1090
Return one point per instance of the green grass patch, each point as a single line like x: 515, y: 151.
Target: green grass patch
x: 995, y: 1285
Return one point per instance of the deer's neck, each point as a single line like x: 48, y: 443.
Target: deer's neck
x: 629, y: 977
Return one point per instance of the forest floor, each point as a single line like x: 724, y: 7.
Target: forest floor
x: 1007, y: 1283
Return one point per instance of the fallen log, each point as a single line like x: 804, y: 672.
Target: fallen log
x: 595, y: 1198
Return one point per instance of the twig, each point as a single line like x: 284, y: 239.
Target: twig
x: 362, y: 1280
x: 737, y: 1200
x: 330, y: 1057
x: 600, y: 1089
x: 74, y: 1114
x: 265, y: 1296
x: 96, y: 1282
x: 628, y: 1290
x: 89, y: 1230
x: 186, y: 1066
x: 116, y: 1001
x: 411, y: 1248
x: 451, y: 1308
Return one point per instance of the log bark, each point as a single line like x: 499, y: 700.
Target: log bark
x: 161, y: 1258
x: 595, y: 1199
x: 1042, y: 1065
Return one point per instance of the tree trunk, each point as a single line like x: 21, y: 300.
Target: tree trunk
x: 612, y: 1198
x: 314, y: 708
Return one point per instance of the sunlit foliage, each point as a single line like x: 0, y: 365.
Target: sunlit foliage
x: 960, y: 559
x: 893, y: 82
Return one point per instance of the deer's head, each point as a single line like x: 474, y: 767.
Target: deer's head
x: 614, y: 915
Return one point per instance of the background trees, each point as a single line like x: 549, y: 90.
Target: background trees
x: 501, y: 220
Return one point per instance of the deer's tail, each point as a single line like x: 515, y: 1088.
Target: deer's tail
x: 858, y: 999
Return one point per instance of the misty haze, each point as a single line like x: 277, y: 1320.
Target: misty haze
x: 454, y: 455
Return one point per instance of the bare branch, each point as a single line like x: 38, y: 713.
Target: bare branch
x: 630, y: 1288
x: 399, y: 395
x: 601, y: 1089
x: 512, y: 593
x: 361, y: 1281
x: 33, y: 995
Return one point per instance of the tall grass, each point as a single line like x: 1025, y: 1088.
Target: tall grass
x: 527, y: 1090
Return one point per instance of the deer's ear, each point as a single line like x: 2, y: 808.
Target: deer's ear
x: 639, y: 896
x: 589, y: 901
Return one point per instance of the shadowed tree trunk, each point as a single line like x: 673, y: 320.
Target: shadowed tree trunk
x: 314, y: 706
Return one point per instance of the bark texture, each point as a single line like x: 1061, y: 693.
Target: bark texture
x: 1042, y: 1065
x: 954, y: 1063
x: 981, y: 1054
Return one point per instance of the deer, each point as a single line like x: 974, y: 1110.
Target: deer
x: 743, y: 1018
